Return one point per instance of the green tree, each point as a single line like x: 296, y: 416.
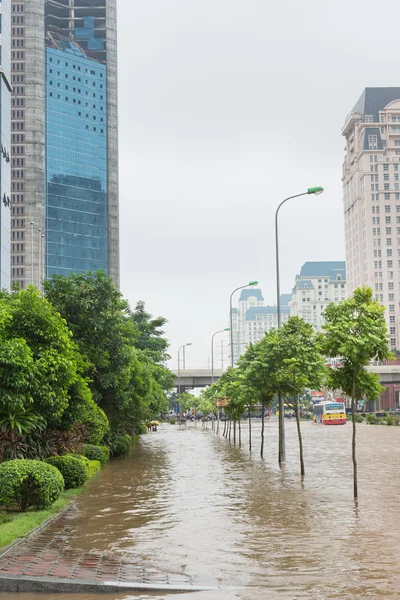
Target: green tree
x: 356, y: 331
x: 301, y: 366
x: 124, y: 379
x: 260, y: 365
x: 149, y: 334
x: 37, y: 355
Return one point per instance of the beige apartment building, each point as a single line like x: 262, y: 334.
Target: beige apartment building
x: 371, y: 196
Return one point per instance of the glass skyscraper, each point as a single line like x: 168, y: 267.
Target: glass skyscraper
x: 5, y: 160
x: 67, y: 138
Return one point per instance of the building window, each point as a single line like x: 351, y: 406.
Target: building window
x: 369, y: 119
x: 391, y: 308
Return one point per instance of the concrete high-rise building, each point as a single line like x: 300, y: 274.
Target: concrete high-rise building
x: 253, y: 318
x: 5, y: 160
x: 318, y: 284
x: 371, y: 195
x: 64, y: 135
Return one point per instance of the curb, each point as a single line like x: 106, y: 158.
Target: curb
x: 67, y: 586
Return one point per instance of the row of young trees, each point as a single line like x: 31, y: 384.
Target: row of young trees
x: 77, y: 357
x: 291, y: 360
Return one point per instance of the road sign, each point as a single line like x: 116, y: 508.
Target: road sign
x: 222, y: 402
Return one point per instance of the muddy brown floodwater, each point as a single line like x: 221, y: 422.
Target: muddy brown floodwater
x: 186, y: 502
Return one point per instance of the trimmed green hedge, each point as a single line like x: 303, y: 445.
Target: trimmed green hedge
x: 94, y: 466
x: 80, y: 457
x: 122, y: 445
x: 74, y: 471
x: 26, y: 483
x: 93, y: 452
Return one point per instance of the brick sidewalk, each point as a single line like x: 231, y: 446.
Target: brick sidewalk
x: 46, y: 554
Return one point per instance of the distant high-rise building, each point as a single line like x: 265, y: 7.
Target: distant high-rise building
x: 5, y: 160
x: 253, y: 318
x: 64, y: 134
x: 371, y: 196
x: 319, y: 284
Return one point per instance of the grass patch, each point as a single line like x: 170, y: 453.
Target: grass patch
x: 21, y: 524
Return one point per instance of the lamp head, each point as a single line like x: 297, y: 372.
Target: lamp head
x: 315, y: 190
x: 253, y: 283
x: 227, y: 329
x: 188, y: 344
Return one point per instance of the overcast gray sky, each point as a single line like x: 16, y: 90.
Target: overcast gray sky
x: 226, y: 108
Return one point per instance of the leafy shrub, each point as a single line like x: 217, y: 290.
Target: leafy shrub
x: 358, y: 418
x: 140, y: 428
x: 95, y: 420
x: 74, y: 471
x: 389, y: 419
x: 5, y: 517
x: 26, y: 483
x: 370, y: 419
x: 172, y: 420
x: 80, y: 457
x: 93, y: 452
x: 94, y: 466
x: 64, y: 442
x: 121, y: 445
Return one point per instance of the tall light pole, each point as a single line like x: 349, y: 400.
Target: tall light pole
x: 315, y: 191
x: 39, y: 249
x: 31, y: 252
x: 179, y: 366
x: 212, y: 351
x: 251, y: 284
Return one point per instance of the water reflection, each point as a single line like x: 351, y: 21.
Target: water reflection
x: 187, y: 502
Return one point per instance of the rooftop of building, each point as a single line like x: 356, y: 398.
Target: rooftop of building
x: 285, y: 299
x: 324, y: 269
x: 235, y: 311
x: 374, y: 99
x: 254, y: 311
x: 248, y: 293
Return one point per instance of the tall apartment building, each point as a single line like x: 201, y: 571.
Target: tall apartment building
x: 253, y: 318
x: 64, y: 139
x: 318, y: 284
x: 5, y: 160
x: 371, y: 196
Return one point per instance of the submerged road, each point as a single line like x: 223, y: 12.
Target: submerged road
x: 205, y: 512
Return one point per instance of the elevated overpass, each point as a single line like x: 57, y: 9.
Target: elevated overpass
x: 197, y: 378
x: 194, y: 378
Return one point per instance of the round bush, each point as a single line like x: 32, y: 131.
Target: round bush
x: 80, y: 457
x: 93, y: 452
x: 74, y: 471
x: 122, y: 445
x: 26, y: 483
x: 94, y: 466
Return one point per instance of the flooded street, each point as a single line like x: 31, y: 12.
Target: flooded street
x: 188, y: 503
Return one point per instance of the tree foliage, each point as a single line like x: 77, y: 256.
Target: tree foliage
x: 356, y: 331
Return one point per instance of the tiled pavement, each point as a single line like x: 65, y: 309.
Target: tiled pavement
x: 46, y: 554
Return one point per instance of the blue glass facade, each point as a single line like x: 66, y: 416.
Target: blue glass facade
x: 76, y: 161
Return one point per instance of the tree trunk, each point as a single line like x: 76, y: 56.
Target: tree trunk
x: 353, y: 443
x: 234, y: 432
x: 230, y: 428
x: 262, y: 432
x: 302, y: 469
x: 249, y: 429
x: 240, y: 435
x: 225, y: 422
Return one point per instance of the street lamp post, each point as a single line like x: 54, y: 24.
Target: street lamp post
x: 252, y: 283
x: 212, y: 351
x: 315, y: 191
x: 212, y: 364
x: 179, y: 366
